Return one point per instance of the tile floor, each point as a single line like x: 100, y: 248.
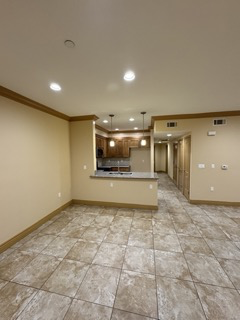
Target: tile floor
x: 93, y: 263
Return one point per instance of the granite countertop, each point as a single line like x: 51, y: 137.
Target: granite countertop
x: 120, y: 166
x: 125, y: 175
x: 114, y: 166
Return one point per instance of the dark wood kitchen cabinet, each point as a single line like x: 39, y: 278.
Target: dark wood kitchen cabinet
x: 126, y: 149
x: 116, y: 151
x: 121, y: 148
x: 121, y: 169
x: 133, y: 143
x: 101, y: 142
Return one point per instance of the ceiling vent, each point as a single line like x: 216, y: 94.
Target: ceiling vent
x: 219, y: 122
x: 171, y: 124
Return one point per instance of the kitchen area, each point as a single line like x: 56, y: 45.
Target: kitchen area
x: 136, y: 188
x: 126, y: 155
x: 124, y: 169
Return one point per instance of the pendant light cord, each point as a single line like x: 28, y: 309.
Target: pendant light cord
x: 111, y: 116
x: 143, y: 113
x: 111, y: 126
x: 143, y: 126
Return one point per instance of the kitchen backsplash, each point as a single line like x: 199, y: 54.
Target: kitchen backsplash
x: 113, y: 162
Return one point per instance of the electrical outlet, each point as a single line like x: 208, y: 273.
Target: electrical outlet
x: 150, y: 186
x: 213, y: 166
x: 201, y: 166
x: 84, y: 167
x: 212, y: 188
x: 111, y: 184
x: 59, y: 194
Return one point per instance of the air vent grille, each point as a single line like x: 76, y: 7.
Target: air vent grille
x: 219, y: 122
x: 171, y: 124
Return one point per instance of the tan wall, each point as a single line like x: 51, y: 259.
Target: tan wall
x: 160, y: 157
x: 220, y: 149
x: 93, y: 189
x: 140, y: 159
x: 34, y: 164
x: 82, y: 154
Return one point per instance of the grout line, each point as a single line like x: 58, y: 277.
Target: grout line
x: 121, y: 271
x: 90, y: 264
x: 170, y: 193
x: 34, y: 296
x: 155, y: 267
x: 191, y: 276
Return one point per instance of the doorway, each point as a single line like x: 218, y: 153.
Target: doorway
x: 160, y: 157
x: 175, y: 163
x: 180, y: 165
x: 187, y: 157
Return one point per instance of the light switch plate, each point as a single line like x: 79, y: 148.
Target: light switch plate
x: 211, y: 133
x: 201, y: 166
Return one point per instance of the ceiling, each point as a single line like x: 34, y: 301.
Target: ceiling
x: 185, y: 55
x: 164, y: 136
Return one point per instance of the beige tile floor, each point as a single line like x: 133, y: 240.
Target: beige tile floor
x: 94, y: 263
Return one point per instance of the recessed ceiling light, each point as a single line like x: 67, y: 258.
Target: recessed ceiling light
x: 69, y: 43
x: 159, y: 141
x: 56, y: 87
x: 105, y: 121
x: 131, y: 119
x: 116, y: 129
x: 129, y: 76
x: 135, y: 128
x: 169, y: 135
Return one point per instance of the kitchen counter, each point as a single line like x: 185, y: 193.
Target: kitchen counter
x: 123, y: 168
x: 114, y: 166
x: 125, y: 175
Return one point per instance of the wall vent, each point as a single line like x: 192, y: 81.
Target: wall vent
x: 171, y: 124
x: 219, y: 122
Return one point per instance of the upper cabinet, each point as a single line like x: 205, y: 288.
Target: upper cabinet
x: 121, y: 148
x: 133, y: 142
x: 101, y: 142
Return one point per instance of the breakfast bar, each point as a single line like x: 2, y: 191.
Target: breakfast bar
x: 125, y: 175
x: 127, y: 189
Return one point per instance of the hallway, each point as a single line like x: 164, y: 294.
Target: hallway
x: 94, y: 263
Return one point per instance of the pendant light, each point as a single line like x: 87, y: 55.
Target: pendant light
x: 143, y: 140
x: 112, y: 142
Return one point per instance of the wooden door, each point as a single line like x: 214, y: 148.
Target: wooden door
x: 180, y: 166
x: 175, y: 162
x: 187, y: 157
